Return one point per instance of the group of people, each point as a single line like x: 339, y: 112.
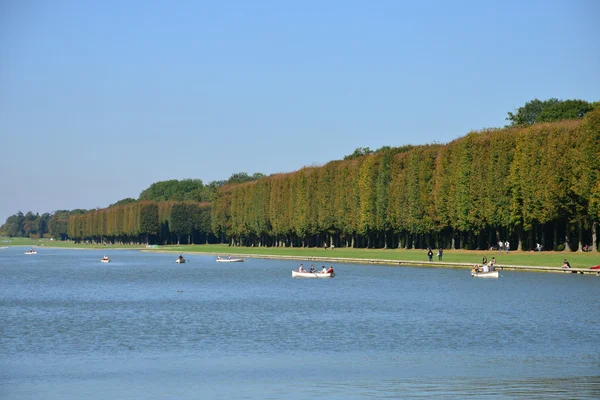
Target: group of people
x: 324, y: 270
x: 485, y: 267
x: 440, y: 254
x: 503, y: 245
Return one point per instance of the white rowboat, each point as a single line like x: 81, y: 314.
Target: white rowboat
x: 491, y: 274
x: 105, y: 259
x: 296, y: 274
x: 30, y: 252
x: 180, y: 260
x: 219, y: 259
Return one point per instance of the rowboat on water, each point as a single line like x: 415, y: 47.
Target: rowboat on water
x: 296, y: 274
x: 229, y: 259
x: 180, y: 260
x: 490, y: 274
x: 105, y: 259
x: 32, y: 251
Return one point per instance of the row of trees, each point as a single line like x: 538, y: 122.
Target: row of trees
x: 56, y: 225
x: 534, y: 184
x: 35, y: 225
x: 146, y: 222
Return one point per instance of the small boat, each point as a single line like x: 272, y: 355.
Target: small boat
x: 4, y: 247
x: 229, y: 259
x: 32, y: 251
x: 491, y: 274
x: 180, y: 260
x: 105, y: 259
x: 296, y: 274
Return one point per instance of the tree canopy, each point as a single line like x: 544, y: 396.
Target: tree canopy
x: 551, y: 110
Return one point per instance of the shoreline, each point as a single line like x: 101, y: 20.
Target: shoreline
x: 398, y: 263
x: 346, y: 260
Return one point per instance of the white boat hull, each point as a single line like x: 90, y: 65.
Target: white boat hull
x: 31, y: 252
x: 491, y: 274
x: 296, y: 274
x: 180, y: 261
x: 105, y: 260
x: 230, y: 260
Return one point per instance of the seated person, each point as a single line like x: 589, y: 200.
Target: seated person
x: 301, y: 269
x: 324, y: 270
x: 566, y: 264
x: 312, y: 268
x: 330, y: 270
x: 486, y: 268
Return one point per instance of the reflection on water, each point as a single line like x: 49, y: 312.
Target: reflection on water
x: 143, y: 327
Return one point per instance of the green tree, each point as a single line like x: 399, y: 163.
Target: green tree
x: 551, y: 110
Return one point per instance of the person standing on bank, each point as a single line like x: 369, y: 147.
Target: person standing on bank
x: 506, y: 246
x: 440, y: 254
x: 430, y: 254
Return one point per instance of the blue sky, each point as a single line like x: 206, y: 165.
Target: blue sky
x: 99, y: 99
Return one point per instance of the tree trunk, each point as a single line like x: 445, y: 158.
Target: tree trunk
x: 567, y: 240
x: 519, y: 239
x: 594, y: 230
x: 543, y: 237
x: 580, y: 228
x: 555, y: 239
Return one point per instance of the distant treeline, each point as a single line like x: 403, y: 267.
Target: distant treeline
x: 145, y: 221
x: 527, y: 184
x: 34, y: 225
x: 130, y: 220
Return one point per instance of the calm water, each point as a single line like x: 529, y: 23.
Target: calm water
x: 143, y: 327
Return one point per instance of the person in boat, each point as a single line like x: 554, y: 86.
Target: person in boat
x: 324, y: 270
x: 229, y: 258
x: 476, y: 268
x: 493, y: 264
x: 485, y: 268
x: 301, y: 269
x: 180, y: 257
x: 312, y: 268
x: 330, y: 270
x: 219, y: 257
x: 566, y: 264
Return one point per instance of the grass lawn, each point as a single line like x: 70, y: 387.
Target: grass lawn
x: 546, y: 258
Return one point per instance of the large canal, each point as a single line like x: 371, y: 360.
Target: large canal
x: 143, y: 327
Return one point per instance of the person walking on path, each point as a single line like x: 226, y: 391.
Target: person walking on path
x: 500, y: 245
x: 430, y: 254
x: 506, y: 246
x: 440, y: 254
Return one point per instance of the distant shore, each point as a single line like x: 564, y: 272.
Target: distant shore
x: 515, y: 260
